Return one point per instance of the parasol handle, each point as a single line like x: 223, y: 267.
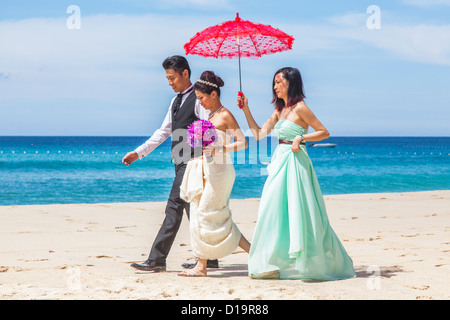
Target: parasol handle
x: 240, y: 101
x: 240, y: 94
x: 240, y: 77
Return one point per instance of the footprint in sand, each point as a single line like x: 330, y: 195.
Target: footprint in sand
x: 4, y: 269
x: 15, y: 269
x: 423, y: 287
x: 424, y: 298
x: 124, y: 227
x: 33, y: 260
x: 409, y: 235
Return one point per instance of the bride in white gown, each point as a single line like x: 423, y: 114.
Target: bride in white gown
x: 207, y: 184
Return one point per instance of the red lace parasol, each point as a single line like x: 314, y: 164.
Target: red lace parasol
x: 239, y: 38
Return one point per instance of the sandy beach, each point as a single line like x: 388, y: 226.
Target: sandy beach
x: 399, y: 243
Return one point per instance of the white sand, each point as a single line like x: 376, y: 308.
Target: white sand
x: 399, y: 243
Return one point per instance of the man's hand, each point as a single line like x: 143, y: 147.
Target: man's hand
x: 130, y: 157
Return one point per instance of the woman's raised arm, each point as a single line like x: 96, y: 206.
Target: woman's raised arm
x: 258, y: 132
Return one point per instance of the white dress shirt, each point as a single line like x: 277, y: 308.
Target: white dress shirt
x: 164, y: 132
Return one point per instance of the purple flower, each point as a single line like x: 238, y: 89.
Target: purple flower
x: 201, y: 133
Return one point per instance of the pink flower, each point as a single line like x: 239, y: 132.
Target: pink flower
x: 201, y: 133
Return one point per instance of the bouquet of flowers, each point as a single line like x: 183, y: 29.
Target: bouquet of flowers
x: 201, y: 133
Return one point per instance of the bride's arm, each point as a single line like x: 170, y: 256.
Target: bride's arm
x: 258, y: 133
x: 234, y: 130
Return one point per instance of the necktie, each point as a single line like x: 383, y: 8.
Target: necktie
x: 177, y: 104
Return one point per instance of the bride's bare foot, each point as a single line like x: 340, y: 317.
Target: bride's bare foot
x: 192, y: 273
x: 198, y: 271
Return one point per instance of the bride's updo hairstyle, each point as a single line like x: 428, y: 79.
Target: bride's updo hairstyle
x: 295, y: 90
x: 208, y: 83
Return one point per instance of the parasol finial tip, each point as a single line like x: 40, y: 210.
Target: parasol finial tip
x: 237, y: 16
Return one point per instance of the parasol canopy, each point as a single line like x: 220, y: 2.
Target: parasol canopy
x: 239, y: 38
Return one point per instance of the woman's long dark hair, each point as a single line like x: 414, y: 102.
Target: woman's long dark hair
x: 295, y: 91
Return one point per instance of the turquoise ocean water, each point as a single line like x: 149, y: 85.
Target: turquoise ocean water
x: 51, y: 170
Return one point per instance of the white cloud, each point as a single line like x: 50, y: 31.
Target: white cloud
x: 123, y: 52
x: 112, y: 65
x: 350, y: 19
x: 420, y: 43
x: 4, y: 75
x: 427, y: 3
x: 206, y: 5
x: 53, y: 78
x: 424, y: 43
x: 108, y: 51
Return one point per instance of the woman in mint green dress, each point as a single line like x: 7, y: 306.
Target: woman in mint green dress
x: 293, y: 238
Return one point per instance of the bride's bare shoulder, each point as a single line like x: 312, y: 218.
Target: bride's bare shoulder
x: 227, y: 115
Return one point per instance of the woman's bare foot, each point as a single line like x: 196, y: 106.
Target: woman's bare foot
x: 267, y: 275
x: 192, y: 273
x: 198, y: 271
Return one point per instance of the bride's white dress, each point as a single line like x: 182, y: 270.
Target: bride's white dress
x: 207, y: 186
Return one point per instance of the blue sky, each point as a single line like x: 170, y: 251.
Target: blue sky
x: 106, y: 77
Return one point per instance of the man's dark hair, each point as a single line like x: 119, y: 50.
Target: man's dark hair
x: 177, y: 63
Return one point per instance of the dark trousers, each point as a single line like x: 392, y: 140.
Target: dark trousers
x: 174, y: 214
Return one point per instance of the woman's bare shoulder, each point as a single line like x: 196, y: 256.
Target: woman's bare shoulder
x: 302, y: 108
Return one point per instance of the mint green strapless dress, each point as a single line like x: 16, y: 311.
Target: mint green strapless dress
x: 293, y: 235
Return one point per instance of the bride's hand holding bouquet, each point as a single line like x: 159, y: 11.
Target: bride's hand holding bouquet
x: 202, y: 133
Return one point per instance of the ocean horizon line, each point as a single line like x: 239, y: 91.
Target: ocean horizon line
x: 89, y: 169
x: 148, y: 136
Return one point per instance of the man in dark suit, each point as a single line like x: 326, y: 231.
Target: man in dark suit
x: 183, y: 110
